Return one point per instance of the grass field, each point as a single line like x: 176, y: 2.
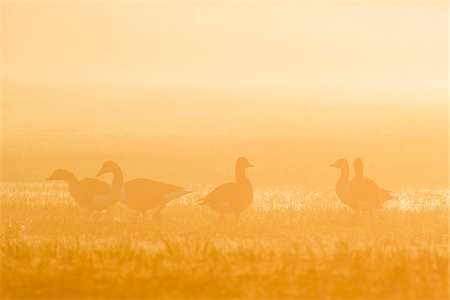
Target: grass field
x: 292, y: 243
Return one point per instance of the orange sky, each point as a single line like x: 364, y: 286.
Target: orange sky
x: 375, y: 49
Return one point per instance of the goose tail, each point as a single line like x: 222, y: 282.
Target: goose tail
x: 387, y: 195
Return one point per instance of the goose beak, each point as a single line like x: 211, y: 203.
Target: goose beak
x: 250, y: 165
x: 333, y: 166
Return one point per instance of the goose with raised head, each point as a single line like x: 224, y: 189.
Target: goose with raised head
x: 89, y: 193
x: 364, y: 191
x: 232, y: 197
x: 342, y: 184
x: 141, y: 194
x: 384, y: 194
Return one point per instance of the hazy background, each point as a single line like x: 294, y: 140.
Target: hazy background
x: 177, y: 91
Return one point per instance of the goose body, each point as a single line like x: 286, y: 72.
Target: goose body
x: 144, y: 194
x: 89, y: 193
x: 232, y: 197
x: 364, y: 194
x: 386, y: 195
x: 364, y: 191
x: 345, y: 189
x: 342, y: 185
x: 141, y: 194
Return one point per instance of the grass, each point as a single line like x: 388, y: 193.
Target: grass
x: 292, y: 243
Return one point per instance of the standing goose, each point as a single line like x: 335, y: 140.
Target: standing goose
x: 89, y: 193
x: 342, y: 184
x: 140, y: 193
x: 232, y: 197
x: 365, y: 191
x: 358, y: 166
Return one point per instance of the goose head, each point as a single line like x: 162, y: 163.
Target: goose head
x: 358, y: 164
x: 61, y: 174
x: 108, y: 167
x: 340, y: 164
x: 243, y: 163
x: 358, y: 167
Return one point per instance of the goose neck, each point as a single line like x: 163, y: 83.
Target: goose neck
x: 70, y: 178
x: 345, y: 174
x: 117, y: 180
x: 359, y: 173
x: 240, y: 175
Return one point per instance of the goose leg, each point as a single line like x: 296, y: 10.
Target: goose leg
x: 86, y: 224
x: 88, y: 216
x: 355, y: 213
x: 144, y: 216
x: 220, y: 219
x: 157, y: 214
x: 238, y: 215
x: 97, y: 215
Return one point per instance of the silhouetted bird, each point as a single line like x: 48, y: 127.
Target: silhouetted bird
x: 343, y: 181
x: 89, y: 193
x: 364, y: 192
x: 232, y: 197
x: 140, y: 193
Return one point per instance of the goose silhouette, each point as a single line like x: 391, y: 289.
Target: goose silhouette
x: 232, y: 197
x: 141, y: 194
x: 89, y: 193
x: 358, y: 166
x: 364, y: 192
x: 342, y: 184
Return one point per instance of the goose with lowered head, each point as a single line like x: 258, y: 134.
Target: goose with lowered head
x: 141, y: 194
